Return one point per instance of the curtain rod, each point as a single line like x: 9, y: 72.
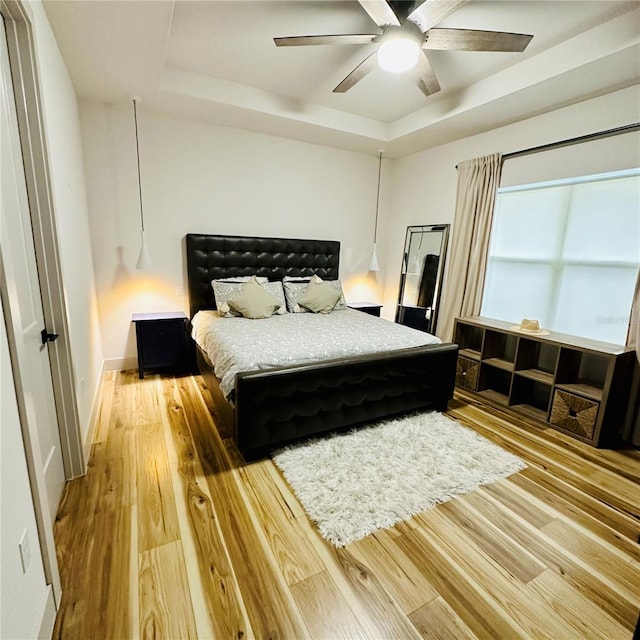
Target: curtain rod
x: 628, y: 128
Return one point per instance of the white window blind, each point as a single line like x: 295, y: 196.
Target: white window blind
x: 567, y: 252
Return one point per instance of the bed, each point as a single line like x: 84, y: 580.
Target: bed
x: 264, y: 408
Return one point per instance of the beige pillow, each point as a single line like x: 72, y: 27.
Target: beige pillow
x: 253, y: 301
x: 319, y: 297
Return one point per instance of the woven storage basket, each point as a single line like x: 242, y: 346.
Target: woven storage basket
x: 574, y: 413
x: 467, y: 373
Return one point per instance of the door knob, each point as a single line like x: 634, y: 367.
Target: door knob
x: 48, y: 337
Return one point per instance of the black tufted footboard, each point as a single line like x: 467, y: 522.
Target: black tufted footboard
x: 282, y: 405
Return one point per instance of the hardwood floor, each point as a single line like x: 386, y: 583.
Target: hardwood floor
x: 169, y: 535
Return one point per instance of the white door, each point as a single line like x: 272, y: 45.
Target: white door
x: 25, y: 316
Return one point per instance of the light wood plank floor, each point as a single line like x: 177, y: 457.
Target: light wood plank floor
x: 169, y: 535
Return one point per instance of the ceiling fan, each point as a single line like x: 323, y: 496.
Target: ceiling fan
x: 406, y: 30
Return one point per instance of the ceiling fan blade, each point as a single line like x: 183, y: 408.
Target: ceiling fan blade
x: 380, y: 12
x: 475, y: 40
x: 302, y: 41
x: 426, y: 76
x: 366, y: 66
x: 431, y: 12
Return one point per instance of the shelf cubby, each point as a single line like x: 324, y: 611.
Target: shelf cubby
x: 495, y: 396
x: 499, y: 346
x: 531, y: 397
x: 584, y: 374
x: 469, y: 339
x: 575, y: 385
x: 544, y: 377
x: 582, y: 389
x: 499, y: 363
x: 495, y: 383
x: 537, y: 360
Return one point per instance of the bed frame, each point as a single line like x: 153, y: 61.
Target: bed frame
x: 281, y: 405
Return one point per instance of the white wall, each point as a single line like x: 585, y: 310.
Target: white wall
x: 424, y: 184
x: 23, y: 595
x: 198, y: 177
x: 201, y: 178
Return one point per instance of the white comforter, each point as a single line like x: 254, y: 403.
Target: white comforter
x: 240, y: 344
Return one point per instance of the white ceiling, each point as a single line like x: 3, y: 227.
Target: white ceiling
x: 216, y: 60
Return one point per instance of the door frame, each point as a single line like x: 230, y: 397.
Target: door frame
x: 18, y: 17
x: 19, y: 20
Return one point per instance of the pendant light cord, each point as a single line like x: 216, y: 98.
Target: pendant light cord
x: 135, y: 119
x: 375, y: 229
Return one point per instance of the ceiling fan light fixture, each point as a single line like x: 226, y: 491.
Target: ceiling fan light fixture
x: 398, y: 54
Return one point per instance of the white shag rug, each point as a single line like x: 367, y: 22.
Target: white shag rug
x: 353, y: 483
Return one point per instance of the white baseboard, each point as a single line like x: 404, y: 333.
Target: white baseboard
x: 48, y: 617
x: 120, y: 364
x: 93, y: 418
x: 110, y: 364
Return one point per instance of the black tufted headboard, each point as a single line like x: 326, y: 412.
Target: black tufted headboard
x: 211, y: 256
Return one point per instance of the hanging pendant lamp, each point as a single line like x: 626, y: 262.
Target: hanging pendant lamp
x: 144, y: 262
x: 373, y: 261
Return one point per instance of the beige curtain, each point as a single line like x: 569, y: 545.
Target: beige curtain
x: 632, y: 423
x: 478, y: 181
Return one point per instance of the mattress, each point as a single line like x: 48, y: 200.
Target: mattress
x: 241, y: 344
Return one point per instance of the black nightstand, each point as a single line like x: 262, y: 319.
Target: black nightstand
x: 414, y: 317
x: 161, y: 338
x: 371, y: 308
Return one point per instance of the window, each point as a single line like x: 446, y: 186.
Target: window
x: 567, y: 253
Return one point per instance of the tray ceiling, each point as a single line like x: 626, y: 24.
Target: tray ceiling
x: 217, y: 61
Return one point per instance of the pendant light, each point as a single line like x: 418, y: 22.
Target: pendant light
x: 144, y: 262
x: 373, y: 262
